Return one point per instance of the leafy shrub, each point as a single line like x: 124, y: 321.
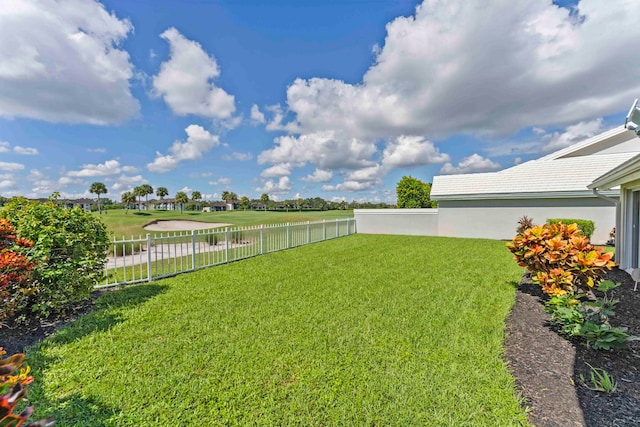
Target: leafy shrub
x: 584, y: 225
x: 560, y: 258
x: 14, y: 380
x: 16, y: 282
x: 577, y: 317
x: 524, y: 223
x: 69, y: 251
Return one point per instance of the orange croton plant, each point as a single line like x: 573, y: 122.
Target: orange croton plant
x: 561, y: 260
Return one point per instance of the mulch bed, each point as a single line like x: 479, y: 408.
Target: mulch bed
x: 548, y: 368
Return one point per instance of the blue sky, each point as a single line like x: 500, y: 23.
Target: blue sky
x: 337, y: 99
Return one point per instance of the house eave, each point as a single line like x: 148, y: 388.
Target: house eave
x: 527, y: 195
x: 626, y: 172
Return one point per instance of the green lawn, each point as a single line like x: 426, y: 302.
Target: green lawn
x: 362, y: 330
x: 120, y: 223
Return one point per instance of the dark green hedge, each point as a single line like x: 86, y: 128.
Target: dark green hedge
x: 585, y: 225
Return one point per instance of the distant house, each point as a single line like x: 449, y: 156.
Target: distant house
x: 83, y: 203
x: 555, y: 186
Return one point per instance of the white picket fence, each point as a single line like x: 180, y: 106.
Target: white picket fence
x: 149, y: 258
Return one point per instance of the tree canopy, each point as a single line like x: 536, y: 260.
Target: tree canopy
x: 98, y: 188
x: 413, y: 193
x: 182, y: 198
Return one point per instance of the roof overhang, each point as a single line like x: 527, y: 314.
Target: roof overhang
x: 528, y: 195
x: 626, y: 172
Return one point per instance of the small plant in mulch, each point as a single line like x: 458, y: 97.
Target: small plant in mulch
x: 600, y: 380
x: 569, y: 268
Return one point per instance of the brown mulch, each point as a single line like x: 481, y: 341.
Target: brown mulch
x: 549, y: 369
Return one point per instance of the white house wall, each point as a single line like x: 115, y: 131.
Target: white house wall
x: 416, y: 222
x: 497, y: 219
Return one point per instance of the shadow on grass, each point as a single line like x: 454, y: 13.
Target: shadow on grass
x: 75, y: 410
x: 142, y: 213
x: 106, y: 312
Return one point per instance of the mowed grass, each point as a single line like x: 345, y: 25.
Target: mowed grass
x: 362, y: 330
x: 119, y: 223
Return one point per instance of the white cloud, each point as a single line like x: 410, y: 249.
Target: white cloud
x: 67, y: 180
x: 96, y: 150
x: 410, y: 151
x: 6, y: 184
x: 62, y: 62
x: 319, y: 175
x: 11, y: 167
x: 572, y: 134
x: 257, y: 117
x: 276, y: 171
x: 110, y: 167
x: 185, y: 81
x: 199, y: 141
x: 283, y: 185
x: 437, y: 71
x: 25, y: 151
x: 4, y: 147
x: 126, y: 183
x: 221, y: 181
x: 323, y: 149
x: 42, y: 184
x: 238, y: 156
x: 482, y: 68
x: 473, y: 163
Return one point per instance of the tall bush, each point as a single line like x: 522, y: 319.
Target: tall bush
x: 560, y: 258
x: 584, y: 225
x: 69, y: 250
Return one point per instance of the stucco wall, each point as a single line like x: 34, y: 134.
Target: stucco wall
x: 418, y: 222
x: 497, y: 219
x: 490, y: 219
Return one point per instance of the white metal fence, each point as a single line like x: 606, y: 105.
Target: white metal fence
x: 153, y: 257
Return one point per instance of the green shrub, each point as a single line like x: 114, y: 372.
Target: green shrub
x: 577, y: 316
x: 69, y: 251
x: 584, y: 225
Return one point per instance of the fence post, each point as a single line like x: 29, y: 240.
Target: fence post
x: 149, y: 278
x: 308, y: 232
x: 287, y: 231
x: 261, y: 239
x: 337, y: 228
x: 226, y: 240
x: 324, y: 229
x: 348, y: 228
x: 193, y: 249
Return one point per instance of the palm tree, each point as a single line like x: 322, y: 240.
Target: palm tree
x: 98, y: 188
x: 146, y: 190
x: 127, y: 198
x: 264, y: 199
x: 162, y: 192
x: 182, y: 198
x: 244, y: 202
x: 225, y: 196
x: 195, y: 196
x: 138, y: 192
